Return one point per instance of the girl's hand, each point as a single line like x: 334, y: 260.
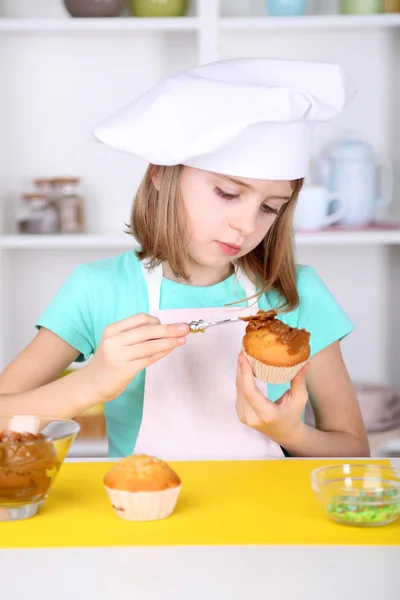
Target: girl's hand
x: 127, y: 347
x: 280, y: 420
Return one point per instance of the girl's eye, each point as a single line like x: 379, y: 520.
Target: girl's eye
x: 269, y: 210
x: 225, y: 195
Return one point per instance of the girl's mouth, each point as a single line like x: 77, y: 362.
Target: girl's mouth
x: 229, y: 249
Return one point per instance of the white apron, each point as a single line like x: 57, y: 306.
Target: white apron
x: 190, y: 395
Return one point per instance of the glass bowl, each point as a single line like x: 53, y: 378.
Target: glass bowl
x: 365, y: 495
x: 32, y: 450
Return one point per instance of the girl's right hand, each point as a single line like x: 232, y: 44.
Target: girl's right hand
x: 127, y: 347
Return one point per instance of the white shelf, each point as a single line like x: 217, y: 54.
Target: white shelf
x: 376, y: 237
x: 373, y: 237
x: 95, y: 26
x: 137, y: 24
x: 312, y: 22
x: 65, y: 242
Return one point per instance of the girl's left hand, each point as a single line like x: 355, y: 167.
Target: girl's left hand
x: 280, y: 420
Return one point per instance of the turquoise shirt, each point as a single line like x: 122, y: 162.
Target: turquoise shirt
x: 102, y: 292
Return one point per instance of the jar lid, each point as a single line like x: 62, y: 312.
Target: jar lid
x: 66, y: 180
x: 43, y: 180
x: 34, y: 196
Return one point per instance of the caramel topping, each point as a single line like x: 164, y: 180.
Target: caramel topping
x: 26, y: 460
x: 295, y: 339
x: 259, y: 320
x: 12, y: 437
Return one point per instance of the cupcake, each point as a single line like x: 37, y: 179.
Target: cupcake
x: 275, y: 351
x: 142, y: 488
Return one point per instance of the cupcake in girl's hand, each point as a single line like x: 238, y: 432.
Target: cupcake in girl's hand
x: 142, y: 488
x: 275, y: 351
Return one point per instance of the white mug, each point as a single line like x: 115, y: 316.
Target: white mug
x: 313, y: 208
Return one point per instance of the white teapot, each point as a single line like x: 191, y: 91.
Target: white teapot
x: 350, y: 169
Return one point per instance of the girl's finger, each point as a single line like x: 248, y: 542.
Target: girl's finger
x: 247, y: 386
x: 298, y: 386
x: 152, y: 332
x: 152, y: 348
x: 156, y: 357
x: 147, y: 362
x: 129, y: 323
x: 244, y: 375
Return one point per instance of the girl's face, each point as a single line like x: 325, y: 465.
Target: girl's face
x: 227, y: 217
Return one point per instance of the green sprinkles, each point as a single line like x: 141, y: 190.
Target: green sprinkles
x: 366, y: 508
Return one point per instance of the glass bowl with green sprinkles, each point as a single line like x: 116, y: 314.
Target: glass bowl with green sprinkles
x: 365, y: 495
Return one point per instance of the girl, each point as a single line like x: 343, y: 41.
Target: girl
x: 228, y: 146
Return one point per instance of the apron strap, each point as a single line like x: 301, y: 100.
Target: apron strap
x: 248, y: 286
x: 153, y: 279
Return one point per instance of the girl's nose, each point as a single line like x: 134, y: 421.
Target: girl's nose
x: 244, y: 222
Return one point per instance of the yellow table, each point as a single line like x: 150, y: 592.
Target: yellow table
x: 240, y: 529
x: 221, y: 503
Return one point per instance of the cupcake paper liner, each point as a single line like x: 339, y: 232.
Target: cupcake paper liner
x: 143, y: 506
x: 270, y: 374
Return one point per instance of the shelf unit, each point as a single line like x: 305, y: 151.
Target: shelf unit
x: 310, y: 23
x: 375, y: 237
x: 97, y: 26
x: 63, y: 75
x: 90, y: 26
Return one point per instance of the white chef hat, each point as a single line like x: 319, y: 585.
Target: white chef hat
x: 249, y: 117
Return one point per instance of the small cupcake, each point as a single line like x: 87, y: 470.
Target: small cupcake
x: 142, y: 488
x: 275, y: 351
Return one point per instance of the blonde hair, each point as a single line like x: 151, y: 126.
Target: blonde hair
x: 158, y: 222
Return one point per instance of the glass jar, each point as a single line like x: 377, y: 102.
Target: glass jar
x: 70, y: 204
x: 37, y: 216
x: 44, y: 186
x: 23, y: 220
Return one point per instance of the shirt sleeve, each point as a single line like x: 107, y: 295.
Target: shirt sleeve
x: 70, y: 314
x: 320, y: 313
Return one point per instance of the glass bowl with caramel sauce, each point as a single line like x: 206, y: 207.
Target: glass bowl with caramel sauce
x: 32, y: 450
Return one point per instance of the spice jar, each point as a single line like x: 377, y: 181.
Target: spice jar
x: 23, y: 219
x: 38, y: 216
x: 70, y: 204
x: 44, y: 186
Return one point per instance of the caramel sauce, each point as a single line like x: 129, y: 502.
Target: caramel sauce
x: 295, y: 339
x: 28, y: 462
